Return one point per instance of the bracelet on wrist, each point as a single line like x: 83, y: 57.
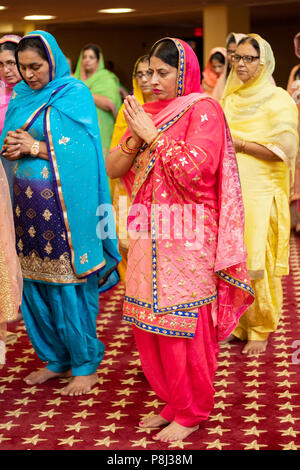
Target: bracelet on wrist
x: 35, y: 149
x: 129, y: 150
x: 242, y: 150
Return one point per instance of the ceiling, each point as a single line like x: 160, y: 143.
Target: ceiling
x: 158, y: 12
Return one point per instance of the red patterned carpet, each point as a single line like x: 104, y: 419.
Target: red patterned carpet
x: 257, y: 398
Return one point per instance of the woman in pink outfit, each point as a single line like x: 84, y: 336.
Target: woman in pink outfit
x: 10, y: 76
x: 8, y: 72
x: 187, y: 282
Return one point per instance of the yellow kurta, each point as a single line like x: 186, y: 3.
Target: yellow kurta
x: 258, y: 111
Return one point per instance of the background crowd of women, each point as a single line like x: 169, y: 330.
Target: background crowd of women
x: 168, y: 143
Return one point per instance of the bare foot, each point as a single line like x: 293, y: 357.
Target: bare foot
x: 80, y: 385
x: 42, y: 375
x: 229, y: 339
x: 174, y: 432
x: 153, y: 422
x: 255, y: 347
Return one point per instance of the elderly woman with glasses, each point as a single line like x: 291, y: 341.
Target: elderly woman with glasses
x: 263, y: 122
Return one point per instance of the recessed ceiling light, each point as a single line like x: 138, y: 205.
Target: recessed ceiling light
x: 116, y: 10
x: 39, y: 17
x: 2, y: 7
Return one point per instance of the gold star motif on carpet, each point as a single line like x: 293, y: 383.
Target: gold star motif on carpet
x: 180, y: 444
x: 83, y: 414
x: 9, y: 379
x: 290, y: 446
x: 111, y: 428
x: 253, y: 417
x: 253, y: 431
x: 289, y: 432
x: 155, y: 403
x: 286, y: 394
x: 24, y: 359
x: 288, y: 406
x: 8, y: 426
x: 17, y: 369
x: 134, y: 371
x: 24, y: 401
x: 4, y: 388
x: 104, y: 442
x: 218, y: 417
x: 217, y: 430
x: 288, y: 419
x: 125, y: 391
x: 141, y: 443
x: 33, y: 390
x: 41, y: 427
x: 254, y: 394
x: 223, y: 383
x: 215, y: 445
x: 90, y: 402
x: 32, y: 440
x: 222, y: 405
x: 2, y: 438
x: 286, y: 383
x: 75, y: 427
x: 70, y: 441
x: 253, y: 445
x: 56, y: 402
x: 254, y: 383
x: 130, y: 381
x: 49, y: 414
x: 117, y: 415
x: 123, y: 403
x: 253, y: 406
x: 16, y: 413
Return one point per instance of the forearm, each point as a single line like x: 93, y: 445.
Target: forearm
x: 256, y: 150
x: 119, y: 163
x: 103, y: 102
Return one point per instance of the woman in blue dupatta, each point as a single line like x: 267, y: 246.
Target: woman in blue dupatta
x: 65, y: 233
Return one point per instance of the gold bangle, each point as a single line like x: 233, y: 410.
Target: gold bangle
x: 243, y: 146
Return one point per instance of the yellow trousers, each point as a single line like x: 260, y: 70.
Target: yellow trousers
x: 263, y: 315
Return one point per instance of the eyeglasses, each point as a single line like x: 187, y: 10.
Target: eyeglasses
x: 247, y: 59
x: 9, y: 64
x: 147, y: 74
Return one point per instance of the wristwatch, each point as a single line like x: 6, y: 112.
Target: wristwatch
x: 35, y: 148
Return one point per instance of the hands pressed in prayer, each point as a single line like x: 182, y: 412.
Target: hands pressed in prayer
x: 139, y: 122
x: 17, y: 144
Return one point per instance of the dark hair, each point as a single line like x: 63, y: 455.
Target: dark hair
x: 96, y: 49
x: 166, y: 51
x: 32, y: 43
x: 218, y: 56
x: 297, y: 74
x: 253, y: 43
x: 230, y: 40
x: 8, y: 46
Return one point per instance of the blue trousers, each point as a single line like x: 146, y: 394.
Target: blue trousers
x: 61, y: 324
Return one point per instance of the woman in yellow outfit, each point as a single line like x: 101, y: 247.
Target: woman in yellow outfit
x: 263, y: 121
x: 142, y: 90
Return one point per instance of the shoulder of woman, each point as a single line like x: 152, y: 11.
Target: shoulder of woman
x: 208, y: 105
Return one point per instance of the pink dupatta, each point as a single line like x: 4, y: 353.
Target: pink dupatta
x: 153, y: 182
x: 11, y: 281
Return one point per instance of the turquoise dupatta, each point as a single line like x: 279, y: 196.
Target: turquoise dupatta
x: 75, y: 153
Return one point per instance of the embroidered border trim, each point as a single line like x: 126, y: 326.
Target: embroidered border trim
x: 235, y: 282
x: 156, y: 329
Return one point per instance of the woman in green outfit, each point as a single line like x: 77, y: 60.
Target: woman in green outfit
x: 104, y: 86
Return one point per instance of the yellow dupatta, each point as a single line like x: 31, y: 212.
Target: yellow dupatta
x: 117, y: 188
x: 258, y: 111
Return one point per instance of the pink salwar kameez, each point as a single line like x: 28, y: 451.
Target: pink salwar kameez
x: 185, y: 290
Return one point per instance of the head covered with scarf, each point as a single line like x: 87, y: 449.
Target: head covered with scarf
x: 74, y: 149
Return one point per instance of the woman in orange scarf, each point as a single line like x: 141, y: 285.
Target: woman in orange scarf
x: 214, y: 69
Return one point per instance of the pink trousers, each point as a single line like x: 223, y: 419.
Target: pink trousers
x: 181, y: 371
